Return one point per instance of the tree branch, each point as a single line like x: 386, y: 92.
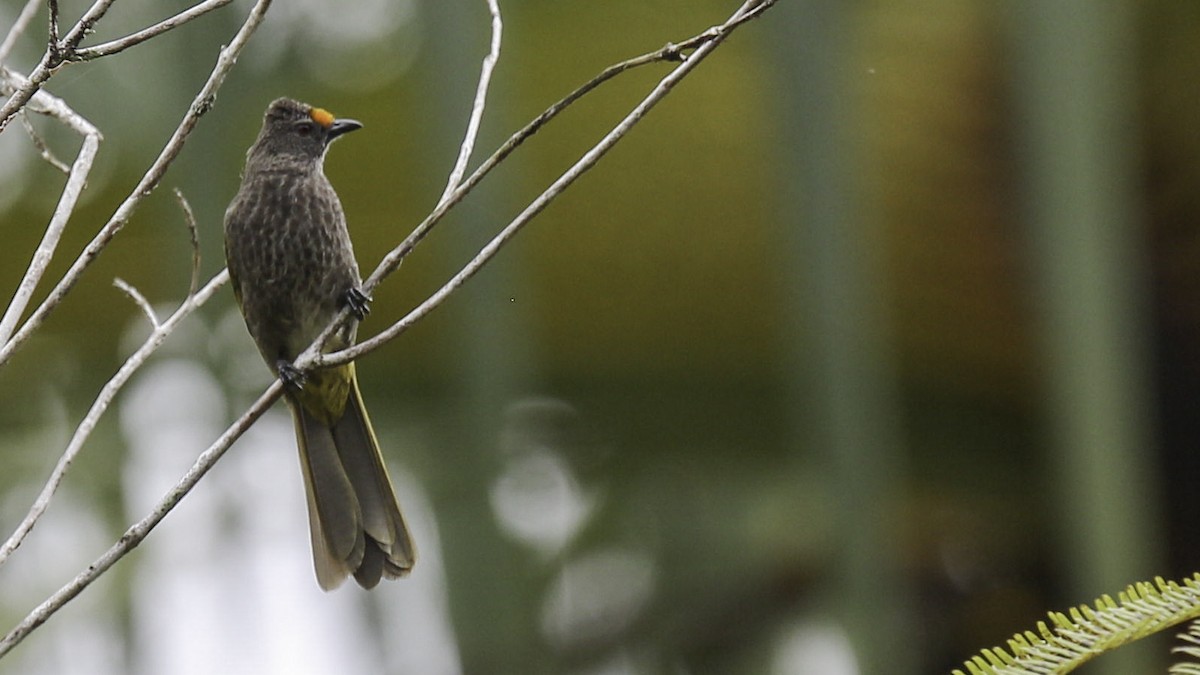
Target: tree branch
x: 200, y: 105
x: 76, y: 181
x: 450, y: 196
x: 40, y: 144
x: 54, y: 47
x: 189, y: 218
x: 18, y: 27
x: 485, y: 80
x: 121, y: 44
x: 99, y: 406
x: 138, y: 531
x: 706, y: 42
x: 138, y: 299
x: 53, y: 57
x: 312, y: 357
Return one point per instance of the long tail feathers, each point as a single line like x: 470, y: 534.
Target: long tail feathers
x: 355, y: 521
x: 382, y: 520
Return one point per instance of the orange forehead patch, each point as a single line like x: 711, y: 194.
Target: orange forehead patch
x: 321, y: 116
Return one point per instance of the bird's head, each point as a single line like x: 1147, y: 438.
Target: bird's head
x: 295, y: 131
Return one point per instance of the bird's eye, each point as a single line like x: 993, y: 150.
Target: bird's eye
x: 305, y: 128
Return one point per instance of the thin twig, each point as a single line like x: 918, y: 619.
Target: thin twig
x: 451, y: 196
x: 481, y: 91
x: 671, y: 52
x: 189, y: 218
x: 19, y: 96
x: 40, y: 144
x: 121, y: 44
x: 138, y: 299
x: 18, y: 27
x: 101, y: 404
x: 703, y: 44
x: 137, y: 532
x: 53, y: 47
x: 391, y: 262
x: 200, y: 105
x: 66, y: 50
x: 51, y: 60
x: 76, y: 181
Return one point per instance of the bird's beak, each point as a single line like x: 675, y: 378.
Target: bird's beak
x: 340, y: 127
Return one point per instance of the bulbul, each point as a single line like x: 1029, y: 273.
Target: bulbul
x: 293, y: 269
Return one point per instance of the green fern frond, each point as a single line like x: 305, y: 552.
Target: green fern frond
x: 1192, y: 649
x: 1085, y: 632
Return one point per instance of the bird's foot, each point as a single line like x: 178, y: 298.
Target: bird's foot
x: 358, y: 302
x: 291, y: 376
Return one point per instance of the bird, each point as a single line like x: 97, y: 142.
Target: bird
x: 292, y: 268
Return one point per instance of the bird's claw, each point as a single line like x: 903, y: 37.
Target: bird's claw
x: 291, y: 376
x: 358, y: 303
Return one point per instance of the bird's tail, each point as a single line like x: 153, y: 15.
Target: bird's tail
x: 353, y: 516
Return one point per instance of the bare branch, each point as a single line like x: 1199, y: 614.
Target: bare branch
x: 392, y: 261
x: 18, y: 96
x: 485, y: 80
x: 86, y: 24
x: 76, y: 181
x: 705, y: 44
x: 40, y: 144
x: 450, y: 196
x: 138, y: 299
x: 189, y: 218
x: 121, y: 44
x: 52, y: 105
x: 200, y: 105
x: 54, y: 46
x: 99, y: 406
x: 18, y: 27
x: 136, y: 533
x: 671, y: 52
x: 59, y: 52
x: 52, y: 59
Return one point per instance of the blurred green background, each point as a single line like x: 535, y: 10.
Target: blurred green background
x: 875, y: 341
